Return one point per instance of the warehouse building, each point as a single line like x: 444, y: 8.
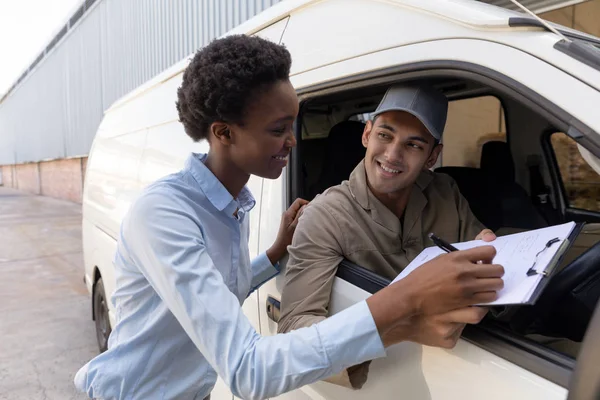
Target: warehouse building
x: 107, y: 48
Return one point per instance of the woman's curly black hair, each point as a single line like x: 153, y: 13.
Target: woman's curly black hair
x: 224, y: 76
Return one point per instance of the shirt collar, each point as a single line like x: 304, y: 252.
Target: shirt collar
x: 214, y: 190
x: 379, y: 212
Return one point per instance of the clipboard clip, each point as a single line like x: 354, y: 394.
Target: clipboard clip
x: 532, y: 271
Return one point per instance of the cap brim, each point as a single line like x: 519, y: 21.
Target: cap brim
x: 436, y: 135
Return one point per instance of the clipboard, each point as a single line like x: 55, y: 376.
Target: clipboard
x: 550, y: 269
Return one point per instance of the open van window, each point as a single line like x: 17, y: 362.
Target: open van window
x: 321, y: 161
x: 472, y: 122
x: 580, y: 180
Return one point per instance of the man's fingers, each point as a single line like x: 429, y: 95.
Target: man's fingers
x: 482, y: 253
x: 466, y: 315
x: 484, y: 297
x: 488, y: 285
x: 457, y: 334
x: 487, y: 270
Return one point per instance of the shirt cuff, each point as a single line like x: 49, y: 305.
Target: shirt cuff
x: 262, y: 270
x: 351, y: 344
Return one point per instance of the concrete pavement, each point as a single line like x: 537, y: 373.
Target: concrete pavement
x: 46, y: 331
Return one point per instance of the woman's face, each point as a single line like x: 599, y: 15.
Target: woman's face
x: 262, y: 144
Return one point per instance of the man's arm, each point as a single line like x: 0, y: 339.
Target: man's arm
x: 314, y: 256
x: 316, y: 251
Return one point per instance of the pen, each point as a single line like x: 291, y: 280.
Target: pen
x: 442, y: 244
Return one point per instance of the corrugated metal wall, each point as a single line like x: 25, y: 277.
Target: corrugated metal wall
x: 116, y: 46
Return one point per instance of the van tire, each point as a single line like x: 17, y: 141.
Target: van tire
x: 101, y: 312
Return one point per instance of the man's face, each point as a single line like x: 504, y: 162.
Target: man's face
x: 399, y: 147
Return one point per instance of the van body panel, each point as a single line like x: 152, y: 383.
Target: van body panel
x: 375, y: 26
x: 141, y: 140
x: 482, y: 53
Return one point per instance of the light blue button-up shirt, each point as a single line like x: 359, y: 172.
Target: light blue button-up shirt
x: 182, y: 271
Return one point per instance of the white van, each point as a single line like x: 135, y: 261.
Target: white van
x: 545, y: 89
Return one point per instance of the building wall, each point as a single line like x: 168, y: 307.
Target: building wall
x: 8, y: 176
x: 584, y: 17
x: 114, y: 47
x: 118, y: 45
x: 62, y: 179
x: 28, y: 178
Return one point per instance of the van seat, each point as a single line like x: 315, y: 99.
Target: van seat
x: 343, y: 151
x: 494, y: 196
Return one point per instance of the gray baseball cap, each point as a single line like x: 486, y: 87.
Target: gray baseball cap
x: 429, y: 105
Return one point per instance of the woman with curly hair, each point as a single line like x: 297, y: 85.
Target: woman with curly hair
x: 182, y: 264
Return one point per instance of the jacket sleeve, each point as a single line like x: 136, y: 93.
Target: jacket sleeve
x: 317, y: 249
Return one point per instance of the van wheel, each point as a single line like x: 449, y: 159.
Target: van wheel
x: 101, y: 312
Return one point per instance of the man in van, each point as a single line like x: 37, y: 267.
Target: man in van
x: 381, y: 217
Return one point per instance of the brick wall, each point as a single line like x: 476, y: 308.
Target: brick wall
x: 28, y: 178
x: 62, y: 179
x: 8, y: 176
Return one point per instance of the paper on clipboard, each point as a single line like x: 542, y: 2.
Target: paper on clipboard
x: 517, y: 254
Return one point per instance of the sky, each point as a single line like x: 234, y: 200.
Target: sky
x: 26, y: 27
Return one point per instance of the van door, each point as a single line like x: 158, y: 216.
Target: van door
x: 469, y: 371
x: 586, y: 377
x: 252, y: 303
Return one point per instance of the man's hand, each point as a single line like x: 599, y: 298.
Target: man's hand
x: 487, y: 235
x: 444, y: 330
x: 449, y: 282
x: 456, y: 280
x: 289, y: 221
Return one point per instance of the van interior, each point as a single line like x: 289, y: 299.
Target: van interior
x: 512, y: 163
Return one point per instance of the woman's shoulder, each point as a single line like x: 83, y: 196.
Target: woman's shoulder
x: 175, y: 191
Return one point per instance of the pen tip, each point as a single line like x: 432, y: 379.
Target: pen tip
x: 430, y: 235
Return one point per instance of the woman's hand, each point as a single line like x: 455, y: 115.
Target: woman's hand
x: 487, y: 235
x: 289, y: 221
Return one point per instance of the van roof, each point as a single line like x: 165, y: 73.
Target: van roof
x: 474, y: 14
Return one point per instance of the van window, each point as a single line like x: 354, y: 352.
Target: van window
x: 471, y: 123
x: 580, y: 180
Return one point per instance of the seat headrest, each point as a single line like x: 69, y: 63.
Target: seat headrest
x: 343, y: 152
x: 347, y: 134
x: 497, y: 161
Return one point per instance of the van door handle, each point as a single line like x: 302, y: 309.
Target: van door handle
x: 273, y: 306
